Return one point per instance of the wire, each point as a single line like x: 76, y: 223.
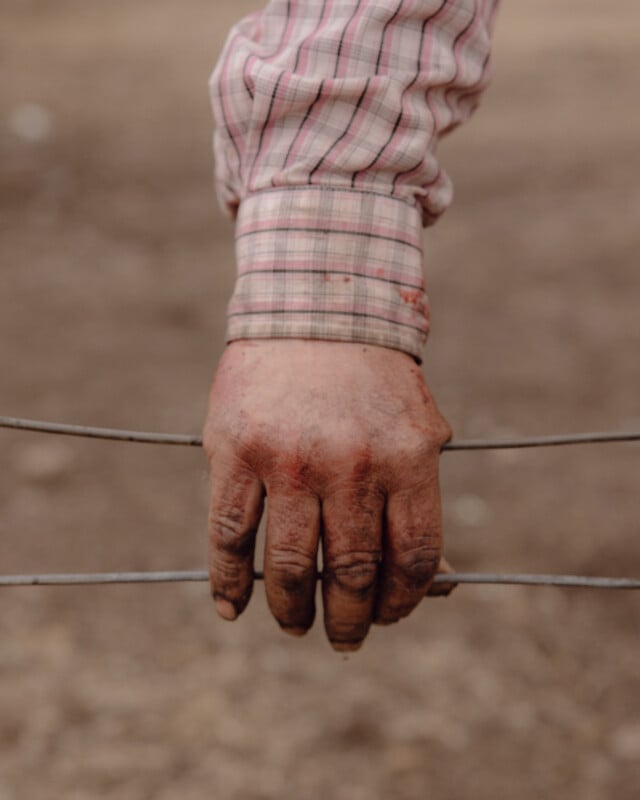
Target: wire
x: 84, y: 579
x: 491, y: 578
x: 146, y: 437
x: 543, y: 441
x: 91, y: 432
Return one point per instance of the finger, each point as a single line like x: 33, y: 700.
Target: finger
x: 291, y: 557
x: 237, y: 498
x: 351, y: 546
x: 411, y: 550
x: 442, y: 589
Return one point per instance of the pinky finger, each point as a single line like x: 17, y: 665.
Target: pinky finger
x: 236, y: 507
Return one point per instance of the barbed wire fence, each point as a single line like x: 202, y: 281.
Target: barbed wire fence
x: 146, y: 437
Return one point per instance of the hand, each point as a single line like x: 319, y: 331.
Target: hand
x: 344, y: 441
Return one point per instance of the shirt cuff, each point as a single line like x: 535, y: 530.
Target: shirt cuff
x: 316, y: 262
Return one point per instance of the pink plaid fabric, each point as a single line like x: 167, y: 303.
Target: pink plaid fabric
x: 328, y: 113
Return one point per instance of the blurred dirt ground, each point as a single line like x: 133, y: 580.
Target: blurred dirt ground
x: 116, y: 266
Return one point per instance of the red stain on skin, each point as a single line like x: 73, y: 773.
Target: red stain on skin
x: 380, y: 273
x: 346, y: 279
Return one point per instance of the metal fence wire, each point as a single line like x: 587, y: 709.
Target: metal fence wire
x: 145, y: 437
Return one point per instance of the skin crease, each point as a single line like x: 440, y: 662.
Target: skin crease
x: 343, y: 441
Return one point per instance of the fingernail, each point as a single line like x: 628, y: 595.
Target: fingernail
x: 292, y: 630
x: 226, y: 610
x: 346, y: 647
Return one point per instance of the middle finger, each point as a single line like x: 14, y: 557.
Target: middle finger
x: 351, y: 546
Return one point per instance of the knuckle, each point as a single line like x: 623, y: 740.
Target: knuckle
x: 238, y: 441
x: 290, y: 473
x: 356, y: 572
x: 291, y: 569
x: 349, y: 456
x: 446, y: 431
x: 440, y: 432
x: 220, y: 436
x: 362, y: 464
x: 226, y: 572
x: 417, y: 449
x: 418, y: 564
x: 229, y: 582
x: 229, y: 532
x: 423, y: 443
x: 252, y: 450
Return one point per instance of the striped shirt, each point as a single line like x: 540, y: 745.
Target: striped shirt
x: 328, y: 114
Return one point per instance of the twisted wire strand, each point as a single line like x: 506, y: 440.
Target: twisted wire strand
x: 147, y: 437
x: 486, y: 578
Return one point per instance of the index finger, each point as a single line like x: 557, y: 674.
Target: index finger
x: 412, y: 546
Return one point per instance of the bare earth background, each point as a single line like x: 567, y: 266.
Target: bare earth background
x: 116, y: 266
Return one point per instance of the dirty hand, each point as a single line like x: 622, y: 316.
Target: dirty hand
x: 344, y: 441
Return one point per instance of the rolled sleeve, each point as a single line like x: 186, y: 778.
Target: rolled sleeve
x: 327, y: 120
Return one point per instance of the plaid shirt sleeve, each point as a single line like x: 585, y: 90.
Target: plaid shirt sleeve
x: 328, y: 113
